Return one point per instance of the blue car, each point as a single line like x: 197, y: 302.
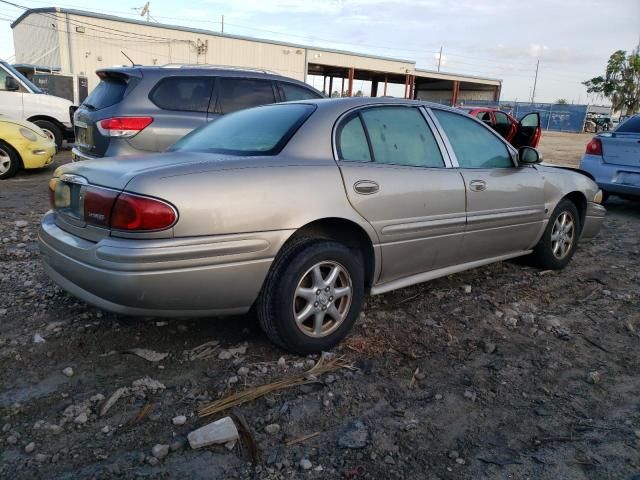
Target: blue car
x: 613, y: 158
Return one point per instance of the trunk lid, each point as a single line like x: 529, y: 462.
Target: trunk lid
x: 100, y: 104
x: 621, y: 148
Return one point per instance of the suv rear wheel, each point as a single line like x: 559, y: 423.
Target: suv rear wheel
x: 312, y: 295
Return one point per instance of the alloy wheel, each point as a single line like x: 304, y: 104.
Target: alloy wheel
x: 5, y: 161
x: 322, y: 299
x: 562, y: 235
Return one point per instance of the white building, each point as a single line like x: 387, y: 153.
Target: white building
x: 79, y: 43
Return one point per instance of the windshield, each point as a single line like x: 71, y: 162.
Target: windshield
x: 256, y: 131
x: 22, y: 78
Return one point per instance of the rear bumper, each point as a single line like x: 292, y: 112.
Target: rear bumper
x: 167, y: 277
x: 593, y: 220
x: 609, y: 176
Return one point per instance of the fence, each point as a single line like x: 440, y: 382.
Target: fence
x: 553, y: 116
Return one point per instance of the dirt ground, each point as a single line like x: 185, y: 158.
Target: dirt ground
x: 503, y: 372
x: 564, y: 148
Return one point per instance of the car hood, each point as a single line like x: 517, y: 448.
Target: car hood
x: 572, y: 169
x: 117, y: 172
x: 22, y: 123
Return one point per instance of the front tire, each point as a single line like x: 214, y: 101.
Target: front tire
x: 560, y: 238
x: 9, y: 161
x: 312, y: 295
x: 52, y: 131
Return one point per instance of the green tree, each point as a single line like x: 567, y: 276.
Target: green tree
x: 359, y: 93
x: 561, y: 101
x: 621, y: 81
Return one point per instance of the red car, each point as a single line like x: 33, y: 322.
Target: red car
x: 526, y: 132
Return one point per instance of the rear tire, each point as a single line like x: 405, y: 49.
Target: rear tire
x: 560, y: 238
x: 9, y: 161
x: 52, y: 131
x: 312, y: 295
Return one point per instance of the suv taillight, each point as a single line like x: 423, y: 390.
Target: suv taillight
x: 123, y: 127
x: 594, y: 147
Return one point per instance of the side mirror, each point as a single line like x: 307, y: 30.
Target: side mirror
x: 10, y: 84
x: 529, y: 156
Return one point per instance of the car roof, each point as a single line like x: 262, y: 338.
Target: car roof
x: 347, y: 103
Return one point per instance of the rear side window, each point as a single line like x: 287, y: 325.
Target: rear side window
x: 352, y: 142
x: 257, y: 131
x: 240, y: 93
x: 291, y: 92
x: 188, y: 94
x: 401, y: 136
x: 108, y: 92
x: 474, y: 145
x: 631, y: 125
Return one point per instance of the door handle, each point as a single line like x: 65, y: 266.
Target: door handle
x: 366, y: 187
x: 477, y: 185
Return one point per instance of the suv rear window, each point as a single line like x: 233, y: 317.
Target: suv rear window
x: 291, y: 92
x: 257, y: 131
x: 108, y: 92
x: 187, y: 94
x: 240, y: 93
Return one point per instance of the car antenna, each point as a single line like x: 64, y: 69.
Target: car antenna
x: 128, y: 58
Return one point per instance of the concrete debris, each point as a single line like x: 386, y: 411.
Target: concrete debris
x: 37, y: 338
x: 68, y: 372
x: 179, y: 420
x: 160, y: 451
x: 272, y: 429
x: 356, y: 435
x: 218, y: 432
x: 30, y: 447
x: 149, y: 355
x: 305, y: 464
x: 138, y: 386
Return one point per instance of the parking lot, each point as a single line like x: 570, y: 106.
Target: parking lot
x: 500, y: 372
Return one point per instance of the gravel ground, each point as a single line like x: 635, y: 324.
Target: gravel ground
x: 500, y: 372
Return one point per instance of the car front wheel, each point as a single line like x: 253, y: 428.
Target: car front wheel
x: 312, y: 295
x: 9, y: 161
x: 560, y: 238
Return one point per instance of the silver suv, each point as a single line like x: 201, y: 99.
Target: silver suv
x: 147, y: 109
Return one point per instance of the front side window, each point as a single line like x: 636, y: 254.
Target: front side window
x: 291, y: 92
x: 189, y: 94
x: 397, y: 136
x: 474, y: 145
x: 257, y: 131
x: 3, y: 79
x: 502, y: 119
x: 240, y: 93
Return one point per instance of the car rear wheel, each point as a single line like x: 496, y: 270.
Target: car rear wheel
x: 9, y: 161
x: 52, y: 131
x: 312, y: 295
x: 560, y: 238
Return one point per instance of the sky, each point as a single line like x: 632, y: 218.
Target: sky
x: 502, y: 39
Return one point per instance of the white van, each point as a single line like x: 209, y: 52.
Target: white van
x: 21, y: 99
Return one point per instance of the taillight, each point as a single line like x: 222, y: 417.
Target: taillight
x: 96, y: 204
x: 594, y: 147
x: 133, y: 212
x: 123, y: 126
x: 53, y: 183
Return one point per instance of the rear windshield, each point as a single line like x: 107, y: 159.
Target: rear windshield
x: 632, y: 125
x: 256, y: 131
x: 108, y: 92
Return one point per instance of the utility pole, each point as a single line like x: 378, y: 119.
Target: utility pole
x: 535, y: 81
x: 222, y: 23
x: 439, y: 58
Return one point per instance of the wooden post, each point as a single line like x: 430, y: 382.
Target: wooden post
x: 342, y: 88
x: 374, y: 88
x: 330, y: 85
x: 385, y: 84
x: 324, y: 84
x: 352, y: 72
x: 454, y: 95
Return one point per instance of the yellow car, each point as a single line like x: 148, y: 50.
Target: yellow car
x: 23, y: 145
